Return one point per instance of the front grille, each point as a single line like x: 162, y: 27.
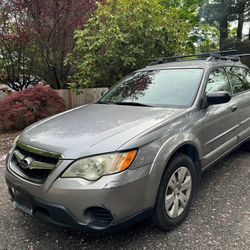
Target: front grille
x: 37, y: 167
x: 36, y: 156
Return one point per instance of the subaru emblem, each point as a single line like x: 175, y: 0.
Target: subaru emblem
x: 24, y: 164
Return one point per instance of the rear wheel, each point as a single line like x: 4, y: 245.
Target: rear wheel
x: 175, y: 193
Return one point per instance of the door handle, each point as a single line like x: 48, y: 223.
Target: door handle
x: 234, y: 108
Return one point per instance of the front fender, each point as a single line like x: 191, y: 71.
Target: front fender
x: 168, y: 148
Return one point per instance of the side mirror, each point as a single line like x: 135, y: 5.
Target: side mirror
x: 217, y: 98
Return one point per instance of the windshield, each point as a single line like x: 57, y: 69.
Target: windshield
x: 171, y: 87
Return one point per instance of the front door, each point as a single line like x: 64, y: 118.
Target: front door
x: 220, y: 121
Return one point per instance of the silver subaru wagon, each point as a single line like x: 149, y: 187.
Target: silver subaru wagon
x: 138, y: 152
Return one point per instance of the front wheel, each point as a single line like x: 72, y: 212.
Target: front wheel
x: 175, y: 193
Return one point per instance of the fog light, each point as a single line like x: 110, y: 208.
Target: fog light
x: 98, y: 216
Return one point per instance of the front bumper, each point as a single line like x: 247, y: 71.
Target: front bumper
x: 69, y: 201
x: 61, y: 216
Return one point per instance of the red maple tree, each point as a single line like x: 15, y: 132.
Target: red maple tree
x: 36, y: 36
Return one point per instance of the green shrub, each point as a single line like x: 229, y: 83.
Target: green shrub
x: 121, y: 36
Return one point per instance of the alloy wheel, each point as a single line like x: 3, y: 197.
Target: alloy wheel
x: 178, y: 192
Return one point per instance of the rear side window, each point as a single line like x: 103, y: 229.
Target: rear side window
x: 240, y: 79
x: 218, y: 81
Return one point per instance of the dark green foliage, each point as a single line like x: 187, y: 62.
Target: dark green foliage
x: 122, y: 36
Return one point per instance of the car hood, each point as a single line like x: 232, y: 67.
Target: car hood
x: 93, y: 129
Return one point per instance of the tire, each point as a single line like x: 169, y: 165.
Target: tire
x: 166, y: 216
x: 246, y: 146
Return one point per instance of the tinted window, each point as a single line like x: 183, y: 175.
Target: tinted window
x: 240, y: 79
x: 174, y: 87
x: 218, y: 81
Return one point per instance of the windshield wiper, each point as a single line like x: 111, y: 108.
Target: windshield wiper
x: 132, y: 104
x: 104, y: 102
x: 125, y: 103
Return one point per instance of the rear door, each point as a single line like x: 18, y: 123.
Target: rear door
x: 240, y: 80
x: 220, y: 121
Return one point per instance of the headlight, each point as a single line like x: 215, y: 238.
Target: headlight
x: 93, y: 168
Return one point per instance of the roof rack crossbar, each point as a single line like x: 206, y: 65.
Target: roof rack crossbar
x: 219, y: 53
x: 234, y: 58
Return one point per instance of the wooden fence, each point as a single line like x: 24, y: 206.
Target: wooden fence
x: 2, y: 95
x: 4, y: 92
x: 73, y: 98
x: 81, y: 96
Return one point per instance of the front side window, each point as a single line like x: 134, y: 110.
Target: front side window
x: 170, y: 87
x: 240, y: 79
x: 218, y: 81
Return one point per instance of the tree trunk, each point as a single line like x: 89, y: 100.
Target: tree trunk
x: 223, y: 31
x: 240, y: 25
x: 241, y: 11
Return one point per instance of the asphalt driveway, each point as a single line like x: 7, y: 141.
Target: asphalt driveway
x: 219, y: 218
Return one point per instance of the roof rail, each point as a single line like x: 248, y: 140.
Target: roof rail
x: 242, y: 55
x: 235, y: 58
x: 213, y: 55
